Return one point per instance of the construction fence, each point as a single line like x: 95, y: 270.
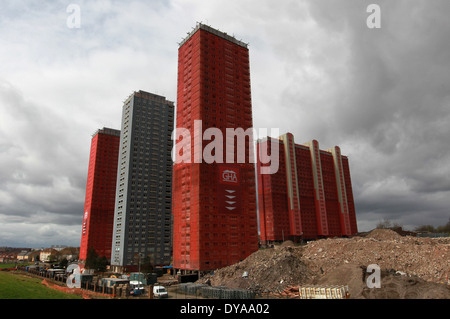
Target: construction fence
x: 87, y: 283
x: 206, y: 291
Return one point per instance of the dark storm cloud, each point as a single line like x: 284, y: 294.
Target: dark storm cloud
x: 381, y: 94
x: 42, y: 181
x: 396, y: 104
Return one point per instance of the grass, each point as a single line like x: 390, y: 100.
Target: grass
x: 10, y: 265
x: 17, y: 286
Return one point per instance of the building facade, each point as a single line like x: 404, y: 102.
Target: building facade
x: 100, y: 197
x: 309, y: 197
x: 142, y: 217
x: 214, y: 203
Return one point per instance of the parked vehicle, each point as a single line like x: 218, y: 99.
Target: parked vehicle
x: 137, y: 288
x: 160, y: 292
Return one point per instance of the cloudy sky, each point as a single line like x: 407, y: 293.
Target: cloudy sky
x: 317, y: 71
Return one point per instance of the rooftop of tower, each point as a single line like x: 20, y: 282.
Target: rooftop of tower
x: 108, y: 131
x: 148, y: 96
x: 221, y: 34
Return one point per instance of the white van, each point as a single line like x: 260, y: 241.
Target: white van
x: 160, y: 292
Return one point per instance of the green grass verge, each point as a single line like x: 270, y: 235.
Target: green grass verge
x: 11, y: 265
x: 16, y: 286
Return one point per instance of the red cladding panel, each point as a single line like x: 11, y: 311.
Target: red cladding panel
x: 98, y: 213
x: 274, y: 201
x: 212, y: 230
x: 350, y: 199
x: 306, y: 189
x: 331, y: 195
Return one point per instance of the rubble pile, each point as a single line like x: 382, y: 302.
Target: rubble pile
x: 265, y: 271
x: 411, y: 266
x: 427, y: 258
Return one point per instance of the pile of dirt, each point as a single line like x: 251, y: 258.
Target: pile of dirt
x: 383, y: 234
x: 350, y: 275
x: 287, y: 243
x: 426, y: 258
x: 394, y: 284
x: 265, y: 271
x: 401, y: 286
x: 424, y: 263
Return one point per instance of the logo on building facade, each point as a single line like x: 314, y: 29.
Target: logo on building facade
x: 229, y: 189
x: 229, y: 176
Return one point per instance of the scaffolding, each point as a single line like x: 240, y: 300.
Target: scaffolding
x: 221, y: 34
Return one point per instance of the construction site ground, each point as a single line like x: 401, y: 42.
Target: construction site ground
x: 411, y: 267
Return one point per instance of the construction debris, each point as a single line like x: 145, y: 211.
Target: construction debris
x: 412, y: 267
x: 323, y: 292
x: 427, y: 258
x: 267, y: 271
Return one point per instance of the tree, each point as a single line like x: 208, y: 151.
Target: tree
x: 386, y: 223
x: 445, y: 228
x: 94, y: 261
x: 101, y: 264
x: 426, y: 228
x: 147, y: 266
x: 383, y: 224
x: 91, y: 259
x: 440, y: 229
x: 63, y: 263
x: 52, y: 258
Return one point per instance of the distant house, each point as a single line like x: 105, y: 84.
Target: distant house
x: 58, y: 247
x: 46, y: 253
x: 23, y: 255
x: 8, y: 257
x: 32, y: 256
x: 70, y: 253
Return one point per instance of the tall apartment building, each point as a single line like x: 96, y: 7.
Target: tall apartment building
x: 214, y: 204
x: 309, y: 197
x: 142, y: 217
x: 100, y: 193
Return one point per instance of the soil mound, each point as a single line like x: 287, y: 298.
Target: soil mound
x: 424, y: 263
x: 402, y: 286
x: 267, y: 270
x: 394, y: 284
x: 351, y: 275
x: 287, y: 243
x: 383, y: 234
x: 425, y: 258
